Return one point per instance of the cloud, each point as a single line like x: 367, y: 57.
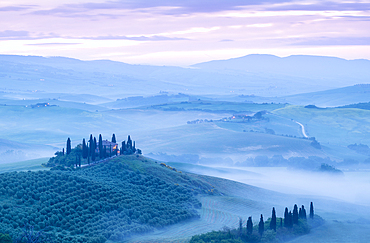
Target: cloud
x: 135, y: 38
x: 12, y: 34
x: 181, y: 6
x: 24, y: 35
x: 340, y: 41
x: 322, y: 6
x: 166, y: 7
x: 15, y: 8
x: 52, y: 44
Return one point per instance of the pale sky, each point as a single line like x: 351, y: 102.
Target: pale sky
x: 184, y: 32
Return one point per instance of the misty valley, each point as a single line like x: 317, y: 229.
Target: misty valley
x: 250, y: 149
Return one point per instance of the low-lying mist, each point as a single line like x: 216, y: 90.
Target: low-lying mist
x: 351, y: 186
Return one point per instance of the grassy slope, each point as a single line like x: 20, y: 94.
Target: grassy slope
x: 216, y: 106
x: 212, y: 140
x: 236, y: 200
x: 167, y: 132
x: 32, y: 165
x: 333, y: 126
x: 344, y: 221
x: 333, y: 97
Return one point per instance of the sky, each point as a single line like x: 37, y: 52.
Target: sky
x: 184, y: 32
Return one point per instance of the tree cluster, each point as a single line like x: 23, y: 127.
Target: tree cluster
x: 279, y: 229
x: 92, y: 150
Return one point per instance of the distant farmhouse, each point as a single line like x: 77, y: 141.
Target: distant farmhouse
x: 108, y: 146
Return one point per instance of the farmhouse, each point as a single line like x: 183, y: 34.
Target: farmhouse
x: 108, y: 146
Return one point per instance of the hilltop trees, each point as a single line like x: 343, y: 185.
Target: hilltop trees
x: 92, y: 151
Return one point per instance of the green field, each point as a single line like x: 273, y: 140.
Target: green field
x: 218, y: 106
x: 29, y: 165
x: 333, y: 125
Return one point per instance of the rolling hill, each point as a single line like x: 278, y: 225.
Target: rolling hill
x: 333, y: 97
x: 264, y: 75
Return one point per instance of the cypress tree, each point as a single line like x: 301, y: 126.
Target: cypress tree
x: 91, y: 146
x: 129, y: 143
x: 133, y: 148
x: 261, y: 226
x: 240, y: 227
x: 286, y: 218
x: 304, y: 215
x: 290, y: 216
x: 281, y: 222
x: 114, y: 138
x: 249, y: 226
x: 273, y: 220
x: 101, y: 154
x: 295, y: 214
x: 68, y: 150
x: 300, y: 213
x: 84, y: 149
x: 63, y: 151
x: 123, y: 148
x: 311, y: 211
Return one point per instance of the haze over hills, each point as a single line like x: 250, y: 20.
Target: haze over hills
x: 81, y: 95
x: 242, y: 119
x: 263, y: 75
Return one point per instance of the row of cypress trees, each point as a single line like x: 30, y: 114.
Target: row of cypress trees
x: 289, y: 219
x: 89, y: 148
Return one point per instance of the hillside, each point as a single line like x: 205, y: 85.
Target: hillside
x: 333, y: 97
x: 114, y: 200
x: 132, y: 198
x: 332, y: 126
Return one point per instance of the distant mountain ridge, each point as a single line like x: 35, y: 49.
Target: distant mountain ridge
x: 293, y: 65
x: 262, y: 75
x: 359, y: 93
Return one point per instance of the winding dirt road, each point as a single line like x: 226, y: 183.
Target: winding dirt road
x: 302, y: 127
